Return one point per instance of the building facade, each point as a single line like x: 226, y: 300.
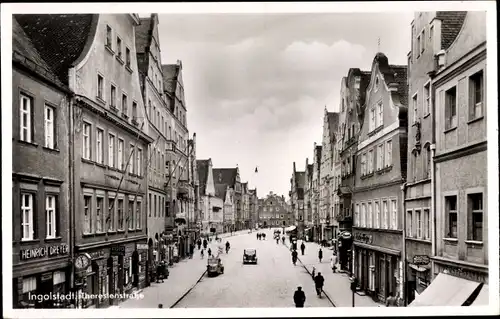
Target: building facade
x: 231, y: 178
x: 460, y: 164
x: 212, y: 197
x: 40, y: 192
x: 297, y: 190
x: 377, y: 197
x: 274, y: 211
x: 254, y: 208
x: 310, y: 220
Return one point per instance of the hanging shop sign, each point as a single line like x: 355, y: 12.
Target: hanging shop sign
x: 117, y: 251
x: 41, y: 252
x: 363, y: 238
x: 421, y: 260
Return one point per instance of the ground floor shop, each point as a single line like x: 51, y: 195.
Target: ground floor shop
x: 42, y: 284
x: 113, y: 269
x: 377, y: 263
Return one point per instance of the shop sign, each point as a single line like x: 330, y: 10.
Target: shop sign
x: 363, y: 238
x: 421, y: 260
x: 142, y: 247
x: 463, y: 273
x: 97, y: 254
x: 118, y: 251
x: 46, y: 276
x: 40, y: 252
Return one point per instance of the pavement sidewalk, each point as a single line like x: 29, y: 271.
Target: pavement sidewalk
x: 183, y: 276
x: 337, y: 285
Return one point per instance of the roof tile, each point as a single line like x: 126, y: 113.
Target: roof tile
x: 451, y: 24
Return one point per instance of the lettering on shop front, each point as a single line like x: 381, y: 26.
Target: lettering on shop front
x: 363, y: 238
x: 40, y: 252
x: 463, y: 273
x: 97, y: 254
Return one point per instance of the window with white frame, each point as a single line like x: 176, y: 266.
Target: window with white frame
x: 423, y: 40
x: 99, y: 146
x: 138, y: 212
x: 111, y: 152
x: 124, y: 104
x: 109, y: 37
x: 27, y: 218
x: 363, y: 215
x: 370, y: 215
x: 25, y: 120
x: 427, y: 98
x: 50, y: 128
x: 427, y: 163
x: 363, y: 164
x: 119, y: 209
x: 372, y: 119
x: 87, y: 212
x: 427, y: 224
x: 385, y: 214
x: 418, y: 46
x: 475, y: 217
x: 29, y: 287
x: 388, y: 153
x: 450, y: 108
x: 127, y: 56
x: 476, y: 95
x: 121, y: 145
x: 98, y: 214
x: 380, y: 155
x: 377, y: 214
x: 113, y: 96
x: 415, y: 107
x: 130, y: 215
x: 394, y: 214
x: 51, y: 215
x: 380, y: 114
x: 119, y: 47
x: 409, y: 223
x: 451, y: 214
x: 370, y: 162
x: 100, y: 86
x: 356, y: 215
x: 418, y: 223
x: 111, y: 214
x: 131, y: 161
x: 86, y: 141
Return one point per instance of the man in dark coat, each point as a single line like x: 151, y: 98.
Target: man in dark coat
x: 319, y: 281
x: 205, y: 243
x: 299, y: 298
x: 198, y: 242
x: 294, y: 256
x: 320, y: 254
x: 302, y: 248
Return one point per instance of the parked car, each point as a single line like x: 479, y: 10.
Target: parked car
x: 214, y: 266
x: 250, y: 256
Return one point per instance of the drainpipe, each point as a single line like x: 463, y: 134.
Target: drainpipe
x: 71, y: 192
x: 403, y: 255
x: 433, y: 177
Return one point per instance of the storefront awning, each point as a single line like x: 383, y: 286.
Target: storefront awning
x: 483, y: 299
x: 291, y: 228
x: 446, y: 290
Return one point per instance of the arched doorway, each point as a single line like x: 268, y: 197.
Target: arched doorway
x: 110, y: 278
x: 135, y: 268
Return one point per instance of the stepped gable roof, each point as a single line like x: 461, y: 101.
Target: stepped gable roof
x: 451, y: 24
x: 300, y: 179
x: 61, y: 39
x: 220, y: 191
x: 202, y: 167
x: 225, y: 176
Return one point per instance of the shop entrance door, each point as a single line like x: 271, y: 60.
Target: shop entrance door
x: 382, y: 277
x: 45, y: 288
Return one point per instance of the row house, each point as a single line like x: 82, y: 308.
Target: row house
x: 254, y: 208
x: 274, y: 211
x: 231, y: 178
x: 194, y: 221
x: 108, y: 146
x: 297, y: 190
x: 41, y: 219
x: 456, y: 115
x: 211, y: 197
x: 180, y: 189
x: 310, y: 223
x: 316, y: 199
x: 329, y: 224
x: 246, y: 205
x: 380, y: 173
x: 150, y: 74
x: 353, y: 93
x: 226, y: 193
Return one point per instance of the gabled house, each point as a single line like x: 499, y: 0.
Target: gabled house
x: 380, y: 174
x: 211, y: 202
x: 231, y: 178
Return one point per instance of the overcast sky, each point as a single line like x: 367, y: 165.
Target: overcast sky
x: 256, y: 85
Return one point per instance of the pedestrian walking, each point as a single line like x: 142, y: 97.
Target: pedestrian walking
x: 299, y: 298
x: 205, y: 243
x: 333, y: 262
x: 320, y: 254
x: 294, y: 257
x: 198, y: 242
x: 191, y: 251
x: 302, y: 248
x: 319, y: 281
x: 209, y: 251
x: 202, y: 253
x: 283, y: 239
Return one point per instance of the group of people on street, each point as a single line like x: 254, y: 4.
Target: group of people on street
x: 299, y: 297
x: 261, y: 236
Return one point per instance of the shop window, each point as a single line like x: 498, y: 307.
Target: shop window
x: 29, y: 288
x: 475, y: 217
x: 451, y: 214
x: 59, y: 281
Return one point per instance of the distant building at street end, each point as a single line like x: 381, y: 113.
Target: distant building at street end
x: 297, y: 189
x: 274, y: 211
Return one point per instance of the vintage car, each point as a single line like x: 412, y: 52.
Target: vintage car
x: 250, y: 256
x: 214, y: 266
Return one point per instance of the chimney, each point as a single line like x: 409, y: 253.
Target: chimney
x: 294, y: 167
x: 179, y: 63
x: 441, y: 59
